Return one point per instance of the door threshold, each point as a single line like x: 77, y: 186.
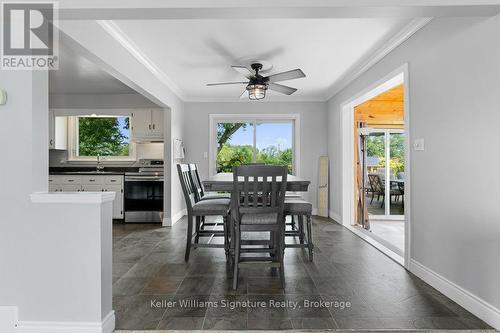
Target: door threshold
x: 389, y: 251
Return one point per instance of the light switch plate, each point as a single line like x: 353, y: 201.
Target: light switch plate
x: 3, y: 97
x: 419, y: 145
x: 205, y: 154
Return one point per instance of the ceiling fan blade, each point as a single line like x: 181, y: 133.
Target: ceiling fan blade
x: 281, y: 88
x: 225, y: 83
x: 244, y: 94
x: 289, y: 75
x: 243, y: 70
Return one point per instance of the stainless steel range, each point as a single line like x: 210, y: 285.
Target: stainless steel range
x: 144, y: 193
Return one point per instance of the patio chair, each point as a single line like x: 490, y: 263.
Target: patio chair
x: 254, y: 216
x: 199, y: 209
x: 379, y: 189
x: 401, y: 188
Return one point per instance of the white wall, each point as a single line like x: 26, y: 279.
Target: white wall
x: 312, y: 132
x: 454, y: 80
x: 50, y: 254
x: 114, y: 57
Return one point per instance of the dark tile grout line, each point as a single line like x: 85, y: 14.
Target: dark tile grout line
x: 289, y: 315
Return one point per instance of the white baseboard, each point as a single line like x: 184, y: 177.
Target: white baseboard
x: 464, y: 298
x: 106, y: 326
x: 335, y: 216
x: 168, y: 222
x: 8, y: 319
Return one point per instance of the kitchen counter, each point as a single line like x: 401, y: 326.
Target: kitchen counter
x: 91, y: 171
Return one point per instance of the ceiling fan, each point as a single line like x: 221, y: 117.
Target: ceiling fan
x: 258, y: 84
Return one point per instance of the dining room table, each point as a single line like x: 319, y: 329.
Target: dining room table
x: 223, y: 182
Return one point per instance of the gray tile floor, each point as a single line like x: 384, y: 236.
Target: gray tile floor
x: 153, y: 288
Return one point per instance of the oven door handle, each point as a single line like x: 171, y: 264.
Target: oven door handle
x: 143, y: 179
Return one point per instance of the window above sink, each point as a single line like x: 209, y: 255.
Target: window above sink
x: 90, y: 136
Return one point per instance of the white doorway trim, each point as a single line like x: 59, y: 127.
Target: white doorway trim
x: 391, y: 80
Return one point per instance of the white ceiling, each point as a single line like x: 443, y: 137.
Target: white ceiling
x: 192, y: 53
x: 78, y: 75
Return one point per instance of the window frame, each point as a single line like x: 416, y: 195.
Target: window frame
x: 214, y: 119
x: 73, y: 141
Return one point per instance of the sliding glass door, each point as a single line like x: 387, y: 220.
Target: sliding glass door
x: 385, y: 174
x: 274, y: 143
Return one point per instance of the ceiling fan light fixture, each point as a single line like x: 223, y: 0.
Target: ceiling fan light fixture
x: 256, y: 91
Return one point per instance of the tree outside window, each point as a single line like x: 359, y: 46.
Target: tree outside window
x: 273, y: 144
x: 104, y: 136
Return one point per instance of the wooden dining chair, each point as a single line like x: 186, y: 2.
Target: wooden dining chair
x: 199, y: 209
x: 259, y: 215
x: 296, y: 206
x: 200, y: 192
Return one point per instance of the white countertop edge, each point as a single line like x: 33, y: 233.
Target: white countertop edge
x: 72, y: 197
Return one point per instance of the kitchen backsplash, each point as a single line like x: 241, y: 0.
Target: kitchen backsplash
x: 58, y: 158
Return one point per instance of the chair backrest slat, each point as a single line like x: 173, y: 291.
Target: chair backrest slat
x: 199, y: 190
x: 187, y: 186
x: 261, y: 188
x: 265, y: 192
x: 255, y: 191
x: 246, y: 192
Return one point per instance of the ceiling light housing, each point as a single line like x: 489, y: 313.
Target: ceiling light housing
x: 256, y: 91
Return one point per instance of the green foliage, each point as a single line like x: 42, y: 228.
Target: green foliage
x: 230, y: 156
x: 272, y: 156
x: 375, y: 146
x: 397, y: 165
x: 101, y: 136
x: 225, y: 130
x: 233, y: 155
x: 397, y: 146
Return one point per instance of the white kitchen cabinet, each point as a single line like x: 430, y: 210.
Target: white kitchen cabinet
x: 55, y: 188
x: 112, y: 180
x: 147, y: 125
x: 58, y: 131
x: 91, y: 183
x: 118, y: 202
x: 157, y: 123
x: 71, y: 187
x: 92, y: 188
x: 141, y: 124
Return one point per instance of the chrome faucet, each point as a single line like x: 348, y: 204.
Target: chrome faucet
x: 99, y: 166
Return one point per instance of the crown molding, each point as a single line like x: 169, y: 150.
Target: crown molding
x: 121, y: 37
x: 361, y: 67
x: 267, y: 99
x: 365, y: 64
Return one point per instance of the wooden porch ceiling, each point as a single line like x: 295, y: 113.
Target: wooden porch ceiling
x: 383, y: 111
